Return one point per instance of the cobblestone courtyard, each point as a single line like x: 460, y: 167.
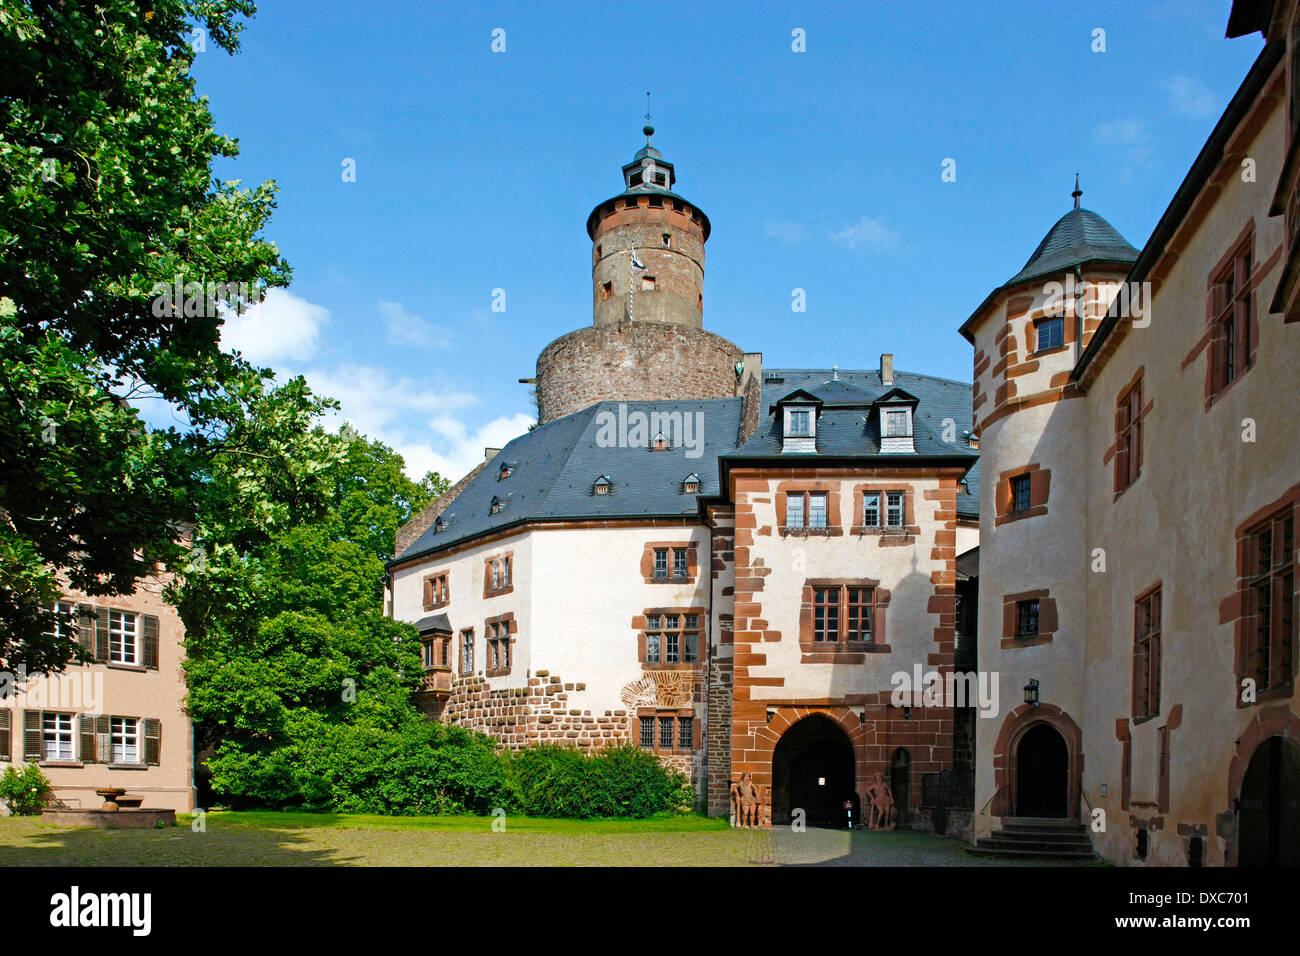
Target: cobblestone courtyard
x: 469, y: 842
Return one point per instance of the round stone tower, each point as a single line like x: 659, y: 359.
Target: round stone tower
x: 647, y: 340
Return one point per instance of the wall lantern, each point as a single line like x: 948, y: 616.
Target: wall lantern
x: 1031, y: 692
x: 907, y: 713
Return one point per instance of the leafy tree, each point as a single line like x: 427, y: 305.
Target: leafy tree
x: 289, y: 648
x: 108, y: 206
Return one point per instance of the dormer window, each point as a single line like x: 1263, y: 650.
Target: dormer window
x: 506, y: 471
x: 898, y: 423
x: 896, y: 409
x: 602, y: 486
x: 497, y: 506
x: 796, y: 414
x: 691, y: 485
x: 660, y: 443
x: 440, y: 524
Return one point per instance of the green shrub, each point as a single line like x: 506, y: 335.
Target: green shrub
x: 24, y: 791
x: 624, y: 781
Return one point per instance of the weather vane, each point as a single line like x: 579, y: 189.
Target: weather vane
x: 647, y: 106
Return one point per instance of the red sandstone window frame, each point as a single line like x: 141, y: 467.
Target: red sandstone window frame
x: 467, y: 651
x: 498, y: 574
x: 678, y: 555
x: 1129, y: 427
x: 667, y: 632
x: 1038, y: 324
x: 1028, y: 618
x: 1147, y: 654
x: 1232, y: 316
x: 654, y: 719
x: 437, y: 590
x: 842, y: 616
x: 498, y: 637
x: 1268, y: 598
x: 1021, y: 494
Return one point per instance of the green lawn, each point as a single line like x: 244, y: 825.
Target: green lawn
x: 301, y: 839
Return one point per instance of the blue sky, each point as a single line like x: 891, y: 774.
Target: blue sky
x: 819, y: 170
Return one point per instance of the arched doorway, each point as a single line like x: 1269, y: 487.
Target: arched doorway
x: 813, y: 770
x: 1269, y: 808
x: 900, y: 782
x: 1042, y: 773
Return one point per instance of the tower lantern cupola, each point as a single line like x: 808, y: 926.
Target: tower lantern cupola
x: 648, y: 168
x: 647, y: 260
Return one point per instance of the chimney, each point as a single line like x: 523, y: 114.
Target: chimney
x: 490, y: 453
x: 887, y: 368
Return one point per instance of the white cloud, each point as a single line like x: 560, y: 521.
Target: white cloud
x: 403, y: 328
x: 280, y: 328
x: 866, y: 232
x: 424, y: 424
x: 1191, y: 97
x: 1121, y: 132
x: 461, y: 448
x: 419, y: 423
x: 786, y: 231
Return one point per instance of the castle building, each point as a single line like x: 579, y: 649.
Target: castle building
x: 722, y: 564
x: 741, y: 569
x: 1136, y: 413
x: 116, y: 721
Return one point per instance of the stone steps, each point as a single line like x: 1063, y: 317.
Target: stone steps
x: 1036, y: 838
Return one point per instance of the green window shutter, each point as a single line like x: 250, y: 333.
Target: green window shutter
x: 86, y: 731
x: 86, y: 629
x: 101, y: 634
x: 6, y: 734
x: 31, y: 735
x: 152, y: 740
x: 150, y: 642
x: 103, y: 741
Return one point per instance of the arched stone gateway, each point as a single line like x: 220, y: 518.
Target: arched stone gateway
x: 1262, y: 826
x: 1038, y: 753
x: 1269, y: 809
x: 814, y: 769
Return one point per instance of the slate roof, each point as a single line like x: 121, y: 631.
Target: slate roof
x: 559, y: 462
x: 1079, y: 236
x: 434, y: 624
x: 842, y: 389
x: 556, y: 464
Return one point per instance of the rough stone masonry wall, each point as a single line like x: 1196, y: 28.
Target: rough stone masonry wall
x: 537, y: 713
x: 639, y: 362
x: 540, y: 713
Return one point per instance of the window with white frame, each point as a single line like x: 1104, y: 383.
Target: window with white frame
x: 871, y: 509
x: 125, y: 734
x: 56, y: 736
x: 123, y: 637
x: 799, y: 423
x: 894, y: 509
